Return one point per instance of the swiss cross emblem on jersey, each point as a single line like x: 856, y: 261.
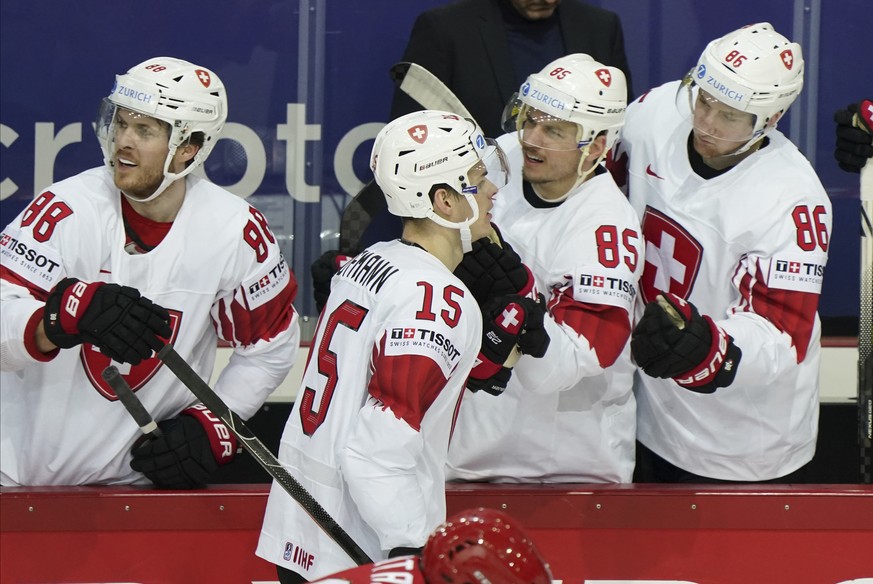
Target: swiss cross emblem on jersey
x: 94, y: 362
x: 605, y: 76
x: 418, y: 133
x: 673, y: 257
x: 204, y: 77
x: 787, y: 58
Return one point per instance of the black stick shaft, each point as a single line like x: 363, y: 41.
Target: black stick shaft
x: 261, y: 453
x: 130, y: 402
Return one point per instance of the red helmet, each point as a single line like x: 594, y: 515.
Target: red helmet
x: 482, y: 546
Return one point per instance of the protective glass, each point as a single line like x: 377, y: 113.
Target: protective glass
x: 491, y: 168
x: 713, y: 118
x: 545, y: 131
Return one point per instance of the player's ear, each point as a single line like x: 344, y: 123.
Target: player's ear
x: 773, y: 119
x: 444, y: 201
x: 597, y: 147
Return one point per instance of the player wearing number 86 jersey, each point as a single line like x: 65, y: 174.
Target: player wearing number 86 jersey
x: 737, y: 228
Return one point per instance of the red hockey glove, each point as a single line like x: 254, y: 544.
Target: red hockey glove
x: 193, y: 445
x: 323, y: 270
x: 672, y: 340
x: 117, y: 319
x: 492, y: 270
x: 507, y: 321
x: 854, y: 135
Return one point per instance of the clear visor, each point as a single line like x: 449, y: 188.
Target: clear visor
x: 713, y: 119
x: 542, y: 130
x: 104, y: 124
x: 490, y: 173
x: 510, y: 114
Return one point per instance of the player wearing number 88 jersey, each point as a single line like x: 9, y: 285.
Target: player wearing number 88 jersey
x: 568, y: 416
x: 737, y: 228
x: 116, y: 261
x: 369, y: 431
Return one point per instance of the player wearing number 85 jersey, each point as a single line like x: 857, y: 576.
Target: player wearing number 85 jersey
x: 737, y: 227
x: 369, y: 431
x: 569, y: 416
x: 112, y: 263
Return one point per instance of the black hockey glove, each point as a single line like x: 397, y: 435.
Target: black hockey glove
x: 323, y: 270
x: 854, y: 135
x: 492, y: 270
x: 193, y: 445
x: 117, y: 319
x: 672, y: 340
x: 507, y: 321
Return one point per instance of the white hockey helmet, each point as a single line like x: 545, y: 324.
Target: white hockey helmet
x: 190, y: 98
x: 578, y: 89
x: 426, y: 148
x: 754, y: 70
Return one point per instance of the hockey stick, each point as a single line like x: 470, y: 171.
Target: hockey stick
x: 431, y: 93
x: 865, y: 320
x: 261, y: 453
x: 427, y: 89
x: 131, y: 403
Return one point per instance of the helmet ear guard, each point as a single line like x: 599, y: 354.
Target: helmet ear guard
x: 189, y: 98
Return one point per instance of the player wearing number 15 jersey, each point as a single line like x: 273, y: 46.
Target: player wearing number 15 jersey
x: 737, y: 227
x: 569, y: 416
x: 369, y: 431
x: 110, y: 264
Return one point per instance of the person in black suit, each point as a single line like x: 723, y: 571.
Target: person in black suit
x: 483, y: 50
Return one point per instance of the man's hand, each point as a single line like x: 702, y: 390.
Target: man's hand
x: 854, y: 145
x: 672, y: 340
x: 493, y: 269
x: 117, y: 319
x: 507, y: 321
x: 191, y: 448
x: 323, y: 270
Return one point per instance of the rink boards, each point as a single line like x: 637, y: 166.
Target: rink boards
x: 629, y: 533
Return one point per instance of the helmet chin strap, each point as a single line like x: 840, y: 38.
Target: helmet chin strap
x: 463, y: 226
x: 584, y: 174
x: 169, y: 178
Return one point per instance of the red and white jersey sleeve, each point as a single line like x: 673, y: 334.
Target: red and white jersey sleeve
x: 51, y: 404
x: 369, y: 432
x: 748, y: 248
x: 586, y: 255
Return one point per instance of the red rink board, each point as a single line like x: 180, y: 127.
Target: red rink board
x: 628, y: 533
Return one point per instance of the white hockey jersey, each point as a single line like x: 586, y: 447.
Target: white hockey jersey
x: 569, y: 416
x: 748, y: 248
x: 218, y: 272
x: 369, y: 432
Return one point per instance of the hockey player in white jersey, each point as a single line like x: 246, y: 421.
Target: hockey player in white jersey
x: 737, y: 228
x: 107, y: 266
x: 570, y: 415
x: 369, y: 432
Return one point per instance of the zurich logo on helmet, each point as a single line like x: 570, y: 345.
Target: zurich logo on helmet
x: 701, y: 71
x: 114, y: 87
x: 480, y: 141
x: 525, y: 89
